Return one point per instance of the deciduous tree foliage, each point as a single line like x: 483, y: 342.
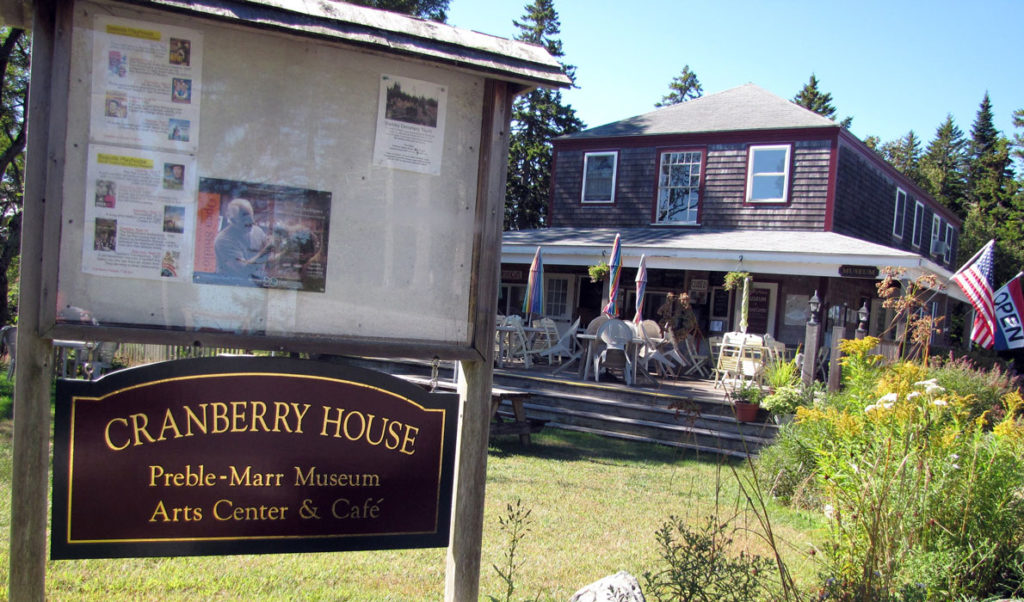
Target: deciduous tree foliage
x: 435, y: 10
x: 683, y: 87
x: 537, y: 117
x: 14, y: 67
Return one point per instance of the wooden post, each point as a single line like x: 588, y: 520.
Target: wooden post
x: 34, y: 367
x: 462, y: 574
x: 834, y: 369
x: 810, y: 352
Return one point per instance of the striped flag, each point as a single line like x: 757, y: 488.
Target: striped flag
x: 975, y: 279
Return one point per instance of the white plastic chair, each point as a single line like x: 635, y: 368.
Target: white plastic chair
x: 698, y: 362
x: 616, y: 335
x: 647, y: 331
x: 565, y: 345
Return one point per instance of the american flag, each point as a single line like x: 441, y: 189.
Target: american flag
x: 975, y: 278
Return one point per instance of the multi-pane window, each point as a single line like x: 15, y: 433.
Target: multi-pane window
x: 918, y: 223
x: 599, y: 177
x: 679, y: 187
x: 768, y: 174
x: 900, y: 213
x: 936, y: 235
x: 556, y: 297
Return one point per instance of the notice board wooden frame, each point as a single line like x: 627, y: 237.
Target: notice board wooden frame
x: 509, y: 68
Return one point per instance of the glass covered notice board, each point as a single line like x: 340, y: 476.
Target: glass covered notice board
x: 223, y: 179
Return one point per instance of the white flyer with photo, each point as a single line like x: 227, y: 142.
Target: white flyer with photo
x: 410, y: 125
x: 139, y: 214
x: 146, y: 84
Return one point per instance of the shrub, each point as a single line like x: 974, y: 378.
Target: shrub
x: 699, y: 565
x: 985, y: 387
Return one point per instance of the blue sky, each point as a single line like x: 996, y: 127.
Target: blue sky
x: 893, y: 66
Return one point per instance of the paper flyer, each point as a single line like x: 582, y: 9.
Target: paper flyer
x: 147, y: 80
x: 262, y: 235
x: 139, y: 214
x: 410, y: 125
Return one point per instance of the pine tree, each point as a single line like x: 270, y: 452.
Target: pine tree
x: 988, y: 164
x: 905, y: 155
x: 943, y: 167
x: 810, y: 97
x: 537, y: 117
x: 683, y: 87
x: 435, y: 10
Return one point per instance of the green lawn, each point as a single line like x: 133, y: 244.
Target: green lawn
x: 595, y: 505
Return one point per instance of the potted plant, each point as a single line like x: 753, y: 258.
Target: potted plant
x: 746, y: 401
x: 598, y: 272
x: 783, y: 402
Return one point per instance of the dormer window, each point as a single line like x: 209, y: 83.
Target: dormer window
x: 768, y: 174
x: 599, y: 177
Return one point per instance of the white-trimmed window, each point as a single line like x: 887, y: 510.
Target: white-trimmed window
x: 679, y: 187
x: 556, y: 297
x: 900, y: 212
x: 936, y: 235
x: 599, y: 177
x: 768, y: 174
x: 918, y: 223
x: 949, y: 243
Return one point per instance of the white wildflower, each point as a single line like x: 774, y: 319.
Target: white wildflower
x: 940, y: 402
x: 870, y: 408
x: 954, y: 457
x: 830, y: 511
x: 887, y: 406
x: 913, y: 395
x: 927, y: 383
x: 889, y: 397
x: 933, y: 389
x: 955, y: 466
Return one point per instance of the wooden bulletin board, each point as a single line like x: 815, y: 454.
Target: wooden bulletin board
x: 358, y: 172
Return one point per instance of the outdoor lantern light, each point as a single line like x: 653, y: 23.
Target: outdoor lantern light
x: 813, y: 304
x: 862, y: 317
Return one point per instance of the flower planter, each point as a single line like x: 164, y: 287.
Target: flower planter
x: 746, y: 412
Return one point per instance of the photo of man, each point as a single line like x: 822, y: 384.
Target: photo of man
x: 239, y: 243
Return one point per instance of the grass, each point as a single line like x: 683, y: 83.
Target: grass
x: 596, y: 504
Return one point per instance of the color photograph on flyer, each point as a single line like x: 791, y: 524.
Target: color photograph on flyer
x: 261, y: 235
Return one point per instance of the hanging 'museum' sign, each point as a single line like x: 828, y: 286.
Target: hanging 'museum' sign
x: 249, y: 455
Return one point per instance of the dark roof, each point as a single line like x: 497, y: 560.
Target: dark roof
x: 386, y: 32
x: 747, y: 107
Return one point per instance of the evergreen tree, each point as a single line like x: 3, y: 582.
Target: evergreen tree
x: 994, y: 205
x: 683, y: 87
x: 905, y: 155
x: 435, y: 10
x: 943, y: 167
x: 989, y: 168
x: 537, y: 117
x: 810, y: 97
x: 14, y: 69
x: 1018, y: 138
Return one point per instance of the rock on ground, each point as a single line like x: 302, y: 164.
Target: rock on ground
x: 620, y: 587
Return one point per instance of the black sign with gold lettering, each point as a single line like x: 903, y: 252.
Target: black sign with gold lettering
x: 241, y: 455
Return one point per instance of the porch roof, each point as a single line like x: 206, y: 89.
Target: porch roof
x: 801, y: 253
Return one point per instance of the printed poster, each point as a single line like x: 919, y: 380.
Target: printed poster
x: 410, y: 125
x: 139, y: 214
x: 147, y: 80
x: 261, y: 235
